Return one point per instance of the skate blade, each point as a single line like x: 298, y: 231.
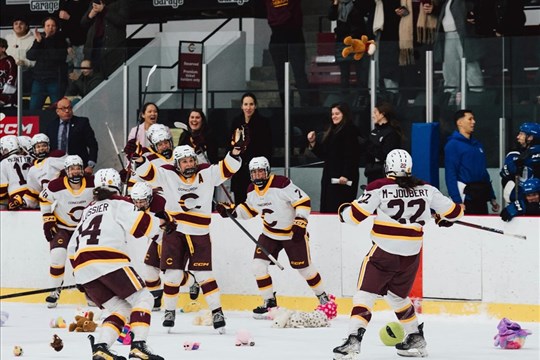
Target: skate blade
x: 351, y: 356
x: 52, y: 305
x: 221, y: 330
x: 413, y: 353
x: 261, y: 317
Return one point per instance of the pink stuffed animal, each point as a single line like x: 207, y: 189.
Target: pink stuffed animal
x: 511, y: 335
x: 191, y: 345
x: 244, y: 338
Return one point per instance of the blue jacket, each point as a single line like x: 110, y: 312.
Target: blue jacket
x: 465, y: 161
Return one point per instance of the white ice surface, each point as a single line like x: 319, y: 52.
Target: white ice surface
x: 448, y: 337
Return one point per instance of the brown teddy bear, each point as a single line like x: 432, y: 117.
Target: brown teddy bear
x: 83, y: 323
x: 358, y: 47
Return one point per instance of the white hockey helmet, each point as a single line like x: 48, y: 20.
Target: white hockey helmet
x: 73, y: 160
x: 9, y: 145
x: 258, y: 163
x: 158, y: 136
x: 398, y: 163
x: 141, y: 194
x: 25, y: 143
x: 40, y: 139
x: 108, y: 179
x: 182, y: 152
x: 156, y: 127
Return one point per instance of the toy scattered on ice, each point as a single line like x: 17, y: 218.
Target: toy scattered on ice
x: 244, y: 338
x: 4, y: 316
x: 330, y: 308
x: 192, y: 306
x: 392, y: 334
x: 57, y: 343
x: 17, y: 350
x: 511, y: 335
x: 125, y: 335
x: 58, y: 323
x: 191, y: 345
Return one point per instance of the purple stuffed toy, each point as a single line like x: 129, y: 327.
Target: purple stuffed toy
x: 511, y: 335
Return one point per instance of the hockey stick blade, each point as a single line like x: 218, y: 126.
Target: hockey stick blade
x: 181, y: 125
x: 35, y: 292
x: 152, y: 70
x: 2, y: 116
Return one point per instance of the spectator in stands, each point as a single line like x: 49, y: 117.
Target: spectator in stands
x: 456, y: 39
x: 287, y: 44
x: 260, y: 144
x: 19, y: 41
x: 50, y: 71
x: 149, y: 116
x: 73, y: 135
x: 85, y: 83
x: 105, y: 41
x: 529, y: 206
x: 350, y: 21
x: 70, y: 15
x: 200, y: 138
x: 339, y: 148
x: 465, y: 164
x: 385, y: 137
x: 8, y: 76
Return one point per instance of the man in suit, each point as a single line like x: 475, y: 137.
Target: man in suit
x: 73, y: 134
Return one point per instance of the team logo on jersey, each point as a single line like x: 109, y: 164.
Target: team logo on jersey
x: 169, y: 261
x: 199, y: 264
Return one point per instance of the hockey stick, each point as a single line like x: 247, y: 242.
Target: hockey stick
x: 115, y: 146
x: 263, y: 249
x: 498, y: 231
x: 34, y: 292
x: 150, y: 73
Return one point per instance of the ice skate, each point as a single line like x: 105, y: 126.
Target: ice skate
x: 218, y: 320
x: 323, y: 298
x: 194, y: 291
x: 139, y: 350
x: 414, y: 344
x: 350, y: 350
x: 158, y: 294
x: 101, y: 351
x: 168, y: 319
x: 261, y: 312
x: 52, y: 299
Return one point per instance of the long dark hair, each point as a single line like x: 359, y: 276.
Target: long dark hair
x: 408, y: 182
x: 345, y: 109
x: 144, y: 107
x: 389, y: 113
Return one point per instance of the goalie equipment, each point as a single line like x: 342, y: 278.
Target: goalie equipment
x: 141, y: 194
x: 398, y: 163
x: 350, y: 349
x: 108, y: 179
x: 240, y: 139
x: 158, y: 136
x: 74, y: 175
x: 259, y: 163
x: 185, y: 168
x: 9, y: 144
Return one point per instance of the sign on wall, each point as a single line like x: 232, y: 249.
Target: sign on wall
x: 190, y: 59
x: 30, y: 125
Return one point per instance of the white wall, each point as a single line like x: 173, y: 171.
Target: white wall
x: 459, y: 262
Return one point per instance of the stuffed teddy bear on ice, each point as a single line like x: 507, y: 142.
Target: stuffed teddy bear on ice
x: 83, y: 323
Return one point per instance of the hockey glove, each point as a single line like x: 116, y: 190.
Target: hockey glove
x: 131, y: 148
x: 198, y: 143
x: 49, y: 226
x: 513, y: 209
x: 15, y: 202
x: 299, y: 229
x: 442, y: 222
x: 169, y: 225
x: 241, y: 138
x: 342, y: 208
x: 225, y: 210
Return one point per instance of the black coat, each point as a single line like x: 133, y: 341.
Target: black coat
x: 382, y: 139
x: 50, y: 57
x: 206, y: 139
x: 81, y: 138
x: 260, y: 134
x: 341, y: 154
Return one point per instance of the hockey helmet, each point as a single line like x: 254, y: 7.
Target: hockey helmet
x: 156, y: 127
x: 74, y: 175
x: 157, y: 137
x: 398, y: 163
x: 25, y: 143
x: 531, y: 186
x: 108, y: 179
x: 141, y: 194
x: 259, y: 163
x: 40, y: 151
x: 9, y: 145
x: 530, y: 128
x: 182, y: 152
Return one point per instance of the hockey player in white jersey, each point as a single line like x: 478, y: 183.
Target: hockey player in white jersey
x: 285, y: 209
x: 403, y: 205
x: 13, y: 173
x: 102, y: 266
x: 46, y: 167
x: 189, y: 188
x: 62, y: 202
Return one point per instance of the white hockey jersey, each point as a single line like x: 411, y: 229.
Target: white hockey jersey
x: 156, y: 159
x: 99, y: 244
x: 189, y: 201
x: 401, y: 214
x: 41, y: 172
x: 14, y: 175
x: 279, y: 202
x: 67, y: 204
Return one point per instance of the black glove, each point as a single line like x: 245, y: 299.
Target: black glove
x: 198, y: 143
x: 512, y: 210
x: 15, y: 202
x: 240, y: 139
x: 131, y: 148
x: 299, y: 229
x: 49, y: 226
x: 225, y: 210
x: 169, y: 224
x: 442, y: 222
